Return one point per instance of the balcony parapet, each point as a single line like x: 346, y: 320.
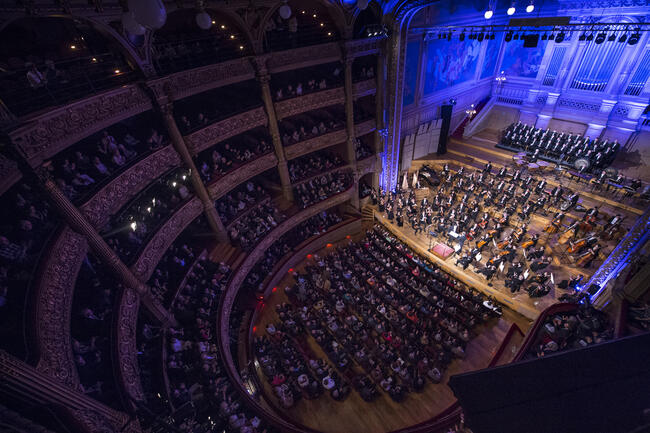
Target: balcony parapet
x: 321, y: 142
x: 363, y: 47
x: 234, y: 177
x: 116, y: 194
x: 164, y: 237
x: 311, y: 101
x: 366, y: 165
x: 220, y: 131
x: 365, y: 127
x: 53, y: 305
x: 365, y: 88
x: 190, y: 82
x: 44, y: 136
x: 304, y: 57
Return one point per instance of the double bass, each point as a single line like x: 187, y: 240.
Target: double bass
x: 576, y: 246
x: 568, y: 234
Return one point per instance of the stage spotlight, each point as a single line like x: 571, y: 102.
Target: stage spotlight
x: 600, y: 38
x: 582, y: 37
x: 590, y: 37
x: 481, y: 36
x: 508, y: 36
x: 488, y: 14
x: 634, y: 38
x: 559, y: 38
x: 612, y: 37
x: 623, y: 38
x: 530, y: 7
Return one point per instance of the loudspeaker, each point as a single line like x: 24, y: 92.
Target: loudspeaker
x: 445, y: 114
x: 531, y: 41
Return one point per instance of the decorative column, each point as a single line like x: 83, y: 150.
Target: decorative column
x: 349, y: 123
x: 20, y: 380
x: 208, y: 204
x: 263, y: 77
x: 379, y: 115
x: 78, y: 223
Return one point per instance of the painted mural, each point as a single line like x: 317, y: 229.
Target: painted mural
x: 411, y: 71
x: 450, y: 63
x: 491, y: 56
x: 522, y: 62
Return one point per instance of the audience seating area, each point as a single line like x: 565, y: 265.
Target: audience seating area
x: 312, y: 124
x: 322, y: 187
x: 379, y: 334
x: 300, y: 82
x: 313, y: 164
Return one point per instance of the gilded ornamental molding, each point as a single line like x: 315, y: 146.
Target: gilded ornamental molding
x: 304, y: 57
x: 48, y: 134
x: 241, y: 174
x: 311, y: 101
x: 53, y: 305
x: 161, y: 241
x: 112, y: 197
x: 127, y: 369
x: 316, y: 143
x: 186, y: 83
x: 217, y: 132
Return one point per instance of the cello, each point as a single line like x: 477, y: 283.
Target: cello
x: 576, y: 246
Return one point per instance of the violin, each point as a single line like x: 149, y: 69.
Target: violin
x: 527, y: 244
x: 500, y: 255
x: 503, y: 244
x: 519, y: 233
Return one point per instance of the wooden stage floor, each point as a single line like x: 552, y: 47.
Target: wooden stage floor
x: 354, y: 415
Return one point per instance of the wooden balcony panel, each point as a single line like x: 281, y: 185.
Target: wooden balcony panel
x: 304, y: 57
x: 221, y: 186
x: 365, y: 127
x: 321, y: 142
x: 365, y: 88
x: 311, y: 101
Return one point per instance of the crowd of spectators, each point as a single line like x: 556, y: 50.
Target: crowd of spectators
x: 313, y: 164
x: 307, y: 80
x: 226, y: 156
x: 313, y: 226
x: 363, y: 71
x: 90, y: 328
x: 84, y: 167
x: 362, y: 150
x: 322, y: 187
x: 239, y: 200
x: 585, y: 326
x: 176, y: 261
x: 248, y: 230
x: 198, y: 111
x: 364, y: 189
x: 312, y: 124
x: 128, y: 231
x: 377, y: 306
x: 27, y: 221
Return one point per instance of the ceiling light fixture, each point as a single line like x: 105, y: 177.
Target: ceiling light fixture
x: 488, y: 14
x: 530, y: 7
x: 511, y: 10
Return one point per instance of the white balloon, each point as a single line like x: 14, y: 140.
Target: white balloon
x: 285, y: 11
x: 203, y: 20
x: 149, y: 13
x: 131, y: 25
x: 362, y: 4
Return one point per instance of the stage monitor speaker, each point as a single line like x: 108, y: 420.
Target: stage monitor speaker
x: 531, y: 41
x: 445, y: 114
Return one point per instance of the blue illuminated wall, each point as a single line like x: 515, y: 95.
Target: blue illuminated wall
x: 411, y: 72
x: 522, y: 62
x: 450, y: 63
x: 491, y: 56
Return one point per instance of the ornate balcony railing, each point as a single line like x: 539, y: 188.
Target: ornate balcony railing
x: 53, y: 305
x: 190, y: 82
x: 304, y: 57
x: 222, y: 185
x: 365, y: 88
x: 126, y: 368
x: 50, y: 133
x: 366, y: 165
x: 312, y: 101
x: 220, y: 131
x: 316, y: 143
x: 364, y: 127
x: 9, y: 174
x: 363, y: 47
x: 164, y: 237
x: 115, y: 195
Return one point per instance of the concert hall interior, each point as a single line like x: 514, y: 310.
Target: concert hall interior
x: 325, y: 216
